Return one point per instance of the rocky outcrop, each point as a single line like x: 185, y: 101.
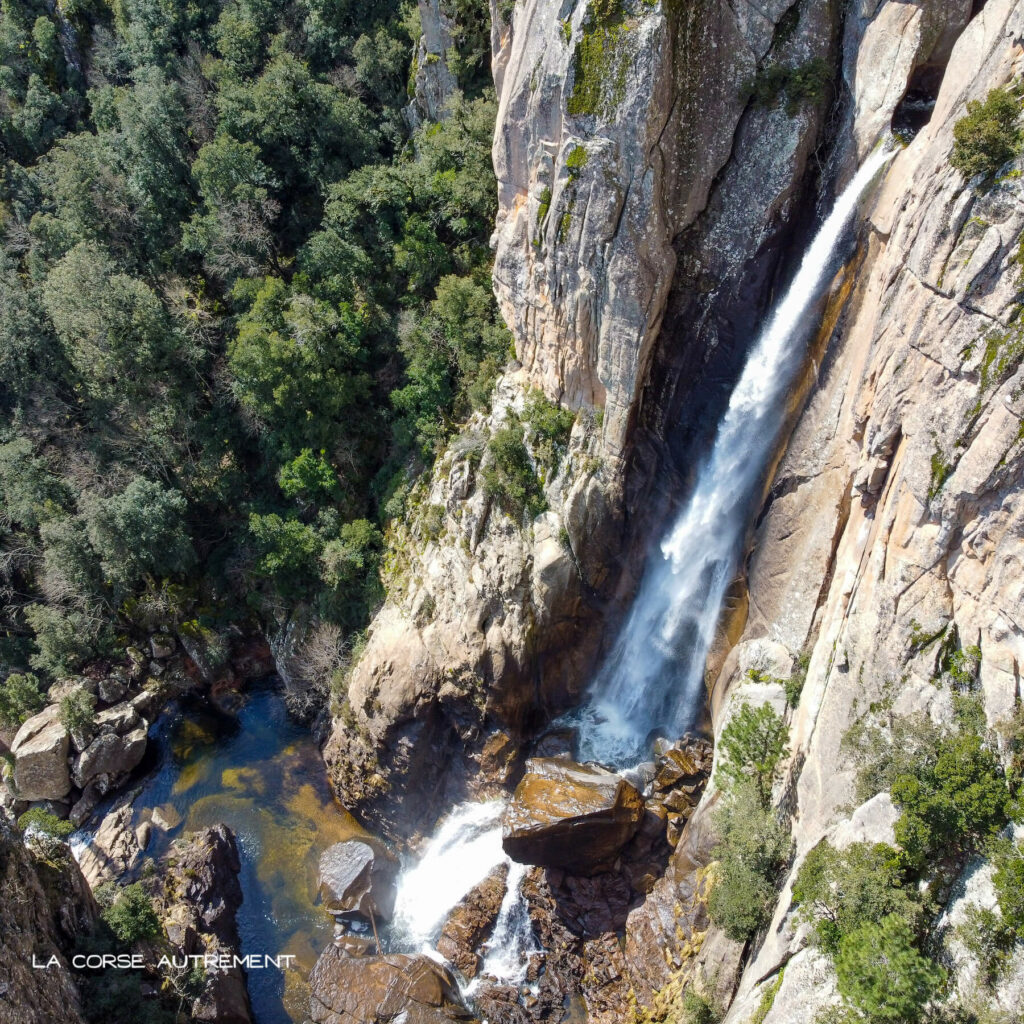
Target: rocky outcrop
x: 40, y: 751
x: 647, y: 189
x: 118, y: 747
x: 571, y: 816
x: 46, y: 906
x: 471, y: 922
x: 357, y: 877
x: 433, y: 82
x: 201, y: 897
x: 113, y: 849
x: 382, y: 989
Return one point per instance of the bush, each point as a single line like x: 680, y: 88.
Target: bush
x: 754, y: 744
x: 987, y: 136
x: 40, y: 821
x: 551, y: 426
x: 952, y: 803
x: 841, y: 890
x: 20, y: 698
x: 754, y: 846
x: 1009, y: 883
x: 78, y: 711
x: 882, y: 974
x: 509, y: 477
x: 131, y: 916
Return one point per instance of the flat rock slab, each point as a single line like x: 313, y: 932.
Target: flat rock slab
x: 382, y: 990
x: 570, y: 816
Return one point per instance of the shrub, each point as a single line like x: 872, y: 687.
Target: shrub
x: 509, y: 477
x: 754, y: 744
x: 986, y: 137
x: 1009, y: 883
x: 131, y: 916
x: 989, y: 940
x: 40, y: 821
x: 882, y: 974
x: 952, y: 803
x: 551, y: 426
x: 841, y: 890
x: 78, y: 711
x: 20, y: 698
x: 754, y: 846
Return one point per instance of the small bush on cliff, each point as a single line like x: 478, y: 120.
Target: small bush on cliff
x: 550, y: 425
x: 883, y: 974
x: 987, y: 136
x: 78, y: 711
x: 20, y: 698
x: 754, y: 745
x: 131, y: 916
x: 754, y: 846
x: 840, y: 890
x: 509, y: 477
x: 43, y: 823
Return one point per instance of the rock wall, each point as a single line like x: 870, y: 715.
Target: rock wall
x: 635, y: 176
x: 45, y: 906
x: 896, y: 511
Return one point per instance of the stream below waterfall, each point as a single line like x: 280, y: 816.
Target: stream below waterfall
x: 260, y: 773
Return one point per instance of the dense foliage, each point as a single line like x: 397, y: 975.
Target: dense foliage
x: 988, y: 135
x: 240, y: 304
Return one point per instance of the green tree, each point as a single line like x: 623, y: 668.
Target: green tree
x: 882, y: 973
x: 987, y: 136
x: 78, y: 711
x: 131, y: 916
x: 20, y: 698
x: 139, y: 532
x: 952, y: 804
x: 841, y: 890
x: 753, y: 746
x: 509, y: 477
x: 754, y: 847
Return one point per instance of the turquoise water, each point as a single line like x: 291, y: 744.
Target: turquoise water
x: 257, y: 771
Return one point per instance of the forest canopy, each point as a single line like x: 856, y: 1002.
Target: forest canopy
x: 242, y: 303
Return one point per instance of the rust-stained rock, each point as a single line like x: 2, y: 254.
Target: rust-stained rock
x: 358, y: 877
x: 472, y: 921
x: 380, y: 989
x: 570, y: 816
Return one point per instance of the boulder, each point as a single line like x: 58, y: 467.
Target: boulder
x: 379, y: 989
x: 471, y: 922
x: 358, y: 877
x: 113, y: 849
x: 571, y: 816
x: 200, y: 918
x: 114, y: 687
x: 109, y: 754
x: 40, y: 751
x: 161, y: 645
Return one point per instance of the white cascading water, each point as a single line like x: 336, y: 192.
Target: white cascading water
x: 653, y: 678
x: 465, y: 850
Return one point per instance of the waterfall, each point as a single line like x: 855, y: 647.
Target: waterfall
x: 465, y: 850
x: 512, y: 940
x: 654, y: 676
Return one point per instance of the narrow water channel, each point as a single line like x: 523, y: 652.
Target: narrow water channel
x: 260, y: 773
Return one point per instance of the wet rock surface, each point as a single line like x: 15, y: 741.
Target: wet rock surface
x: 383, y: 990
x: 567, y: 815
x: 357, y: 877
x: 471, y: 923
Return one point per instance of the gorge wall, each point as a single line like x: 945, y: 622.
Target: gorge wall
x: 652, y: 195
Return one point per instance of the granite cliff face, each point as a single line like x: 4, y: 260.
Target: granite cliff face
x: 637, y: 180
x: 657, y: 168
